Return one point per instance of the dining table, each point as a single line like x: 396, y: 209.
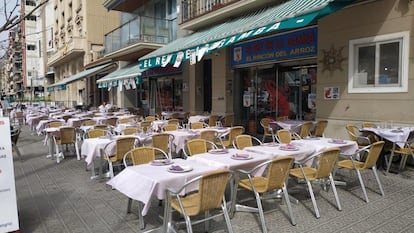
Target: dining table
x: 155, y: 180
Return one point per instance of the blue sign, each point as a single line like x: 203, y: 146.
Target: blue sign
x: 287, y: 46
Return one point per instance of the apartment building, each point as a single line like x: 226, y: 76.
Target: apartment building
x: 78, y: 40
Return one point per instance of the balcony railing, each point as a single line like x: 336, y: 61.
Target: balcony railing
x: 139, y: 30
x: 194, y: 8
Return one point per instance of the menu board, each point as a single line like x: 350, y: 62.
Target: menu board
x: 9, y: 220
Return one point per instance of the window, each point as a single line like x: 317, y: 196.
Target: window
x: 379, y: 64
x: 31, y: 47
x: 31, y: 17
x: 30, y: 3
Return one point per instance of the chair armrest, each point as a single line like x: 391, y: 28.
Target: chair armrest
x: 254, y: 169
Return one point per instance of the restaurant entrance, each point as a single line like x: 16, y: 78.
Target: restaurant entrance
x: 277, y: 90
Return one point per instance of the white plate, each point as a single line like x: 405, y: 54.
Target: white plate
x: 184, y: 169
x: 312, y: 138
x: 241, y: 158
x: 161, y: 162
x: 272, y: 144
x: 337, y: 142
x: 289, y: 148
x: 218, y: 151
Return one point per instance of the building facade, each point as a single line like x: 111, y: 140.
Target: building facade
x: 78, y: 40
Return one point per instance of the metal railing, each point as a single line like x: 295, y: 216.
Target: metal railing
x: 194, y: 8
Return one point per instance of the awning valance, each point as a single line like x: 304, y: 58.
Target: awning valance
x: 61, y: 85
x: 291, y: 14
x: 131, y: 71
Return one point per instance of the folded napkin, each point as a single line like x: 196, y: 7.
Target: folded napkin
x: 242, y: 156
x: 176, y: 168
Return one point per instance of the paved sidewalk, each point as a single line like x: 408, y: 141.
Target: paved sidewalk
x: 62, y: 198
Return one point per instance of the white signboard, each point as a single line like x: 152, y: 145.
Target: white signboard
x: 8, y: 214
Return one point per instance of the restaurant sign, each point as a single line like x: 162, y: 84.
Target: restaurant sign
x: 9, y: 220
x: 287, y: 46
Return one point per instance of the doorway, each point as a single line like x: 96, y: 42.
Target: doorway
x: 207, y: 66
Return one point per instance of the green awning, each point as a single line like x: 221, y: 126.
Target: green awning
x: 131, y: 71
x: 61, y: 85
x: 291, y: 14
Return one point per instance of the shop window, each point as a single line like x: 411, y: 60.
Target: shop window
x: 31, y: 17
x: 31, y: 47
x: 30, y: 3
x: 379, y: 64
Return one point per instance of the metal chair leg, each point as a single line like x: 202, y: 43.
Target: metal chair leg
x: 289, y: 206
x: 362, y: 185
x: 374, y: 170
x: 338, y: 203
x: 315, y: 207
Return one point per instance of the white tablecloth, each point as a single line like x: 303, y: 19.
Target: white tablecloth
x: 145, y: 181
x: 91, y: 149
x: 198, y: 118
x: 399, y: 135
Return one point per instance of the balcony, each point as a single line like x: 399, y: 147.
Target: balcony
x: 196, y: 14
x: 71, y: 50
x: 141, y: 33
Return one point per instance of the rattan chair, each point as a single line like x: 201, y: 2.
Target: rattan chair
x: 354, y: 135
x: 19, y: 118
x: 101, y: 126
x: 122, y: 145
x: 322, y: 172
x: 145, y: 125
x: 267, y: 130
x: 275, y: 178
x: 150, y: 118
x: 67, y: 136
x: 197, y: 146
x: 228, y: 120
x: 174, y: 121
x: 305, y: 130
x: 125, y: 120
x: 95, y: 133
x: 320, y: 128
x: 242, y: 141
x: 88, y: 122
x: 369, y: 164
x: 163, y: 141
x: 137, y: 156
x: 209, y: 135
x: 367, y: 124
x: 212, y: 119
x: 169, y: 127
x: 54, y: 124
x: 130, y: 131
x: 284, y: 136
x: 210, y: 196
x: 112, y: 121
x: 226, y: 140
x: 198, y: 125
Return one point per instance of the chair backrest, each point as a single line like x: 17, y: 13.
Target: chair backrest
x: 235, y: 131
x: 367, y: 124
x: 197, y: 146
x: 88, y: 122
x: 197, y: 125
x: 373, y: 154
x: 112, y: 121
x: 130, y: 130
x: 352, y: 131
x: 242, y: 141
x: 228, y: 120
x: 264, y: 122
x: 124, y: 120
x: 305, y: 129
x: 101, y: 126
x: 150, y: 118
x: 212, y: 119
x: 162, y: 141
x: 209, y: 135
x: 320, y: 128
x: 123, y: 145
x: 327, y: 160
x: 281, y: 118
x: 278, y: 171
x: 174, y: 121
x: 54, y: 124
x: 94, y: 133
x: 284, y: 136
x: 67, y: 135
x: 66, y: 117
x: 211, y: 190
x: 142, y: 155
x: 145, y: 125
x: 175, y: 115
x: 170, y: 127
